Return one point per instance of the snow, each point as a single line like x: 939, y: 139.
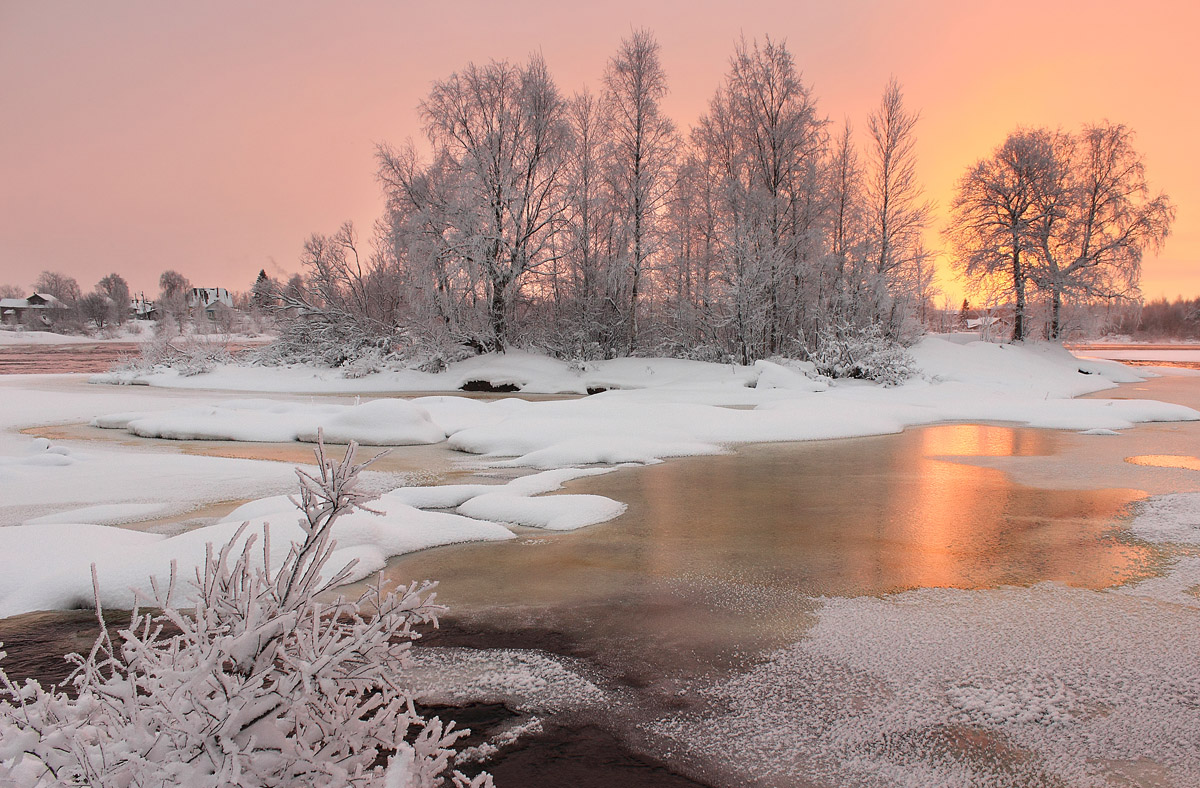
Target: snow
x: 383, y: 422
x: 653, y: 409
x: 106, y: 514
x: 1080, y: 679
x: 663, y: 408
x: 45, y: 564
x: 1173, y: 519
x: 554, y: 513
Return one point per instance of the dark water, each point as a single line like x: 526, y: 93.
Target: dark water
x: 51, y: 359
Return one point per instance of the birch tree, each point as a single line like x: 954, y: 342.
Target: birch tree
x: 996, y: 204
x: 501, y: 132
x: 642, y: 147
x: 1097, y: 220
x: 897, y: 210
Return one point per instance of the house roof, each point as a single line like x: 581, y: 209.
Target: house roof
x: 13, y: 303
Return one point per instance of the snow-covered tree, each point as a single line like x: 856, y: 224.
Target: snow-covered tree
x: 996, y: 204
x: 501, y: 135
x: 897, y: 211
x: 1096, y: 219
x: 641, y: 153
x: 243, y: 678
x: 115, y: 289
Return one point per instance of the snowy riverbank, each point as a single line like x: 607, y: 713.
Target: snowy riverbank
x: 649, y: 409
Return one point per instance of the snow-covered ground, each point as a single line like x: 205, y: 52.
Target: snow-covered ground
x: 649, y: 409
x: 73, y: 494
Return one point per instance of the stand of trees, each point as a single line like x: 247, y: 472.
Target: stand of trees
x: 1067, y: 214
x: 591, y: 226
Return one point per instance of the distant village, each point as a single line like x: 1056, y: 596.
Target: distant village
x: 43, y: 310
x: 46, y: 312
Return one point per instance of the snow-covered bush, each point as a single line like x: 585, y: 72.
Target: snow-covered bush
x: 326, y: 341
x: 247, y: 680
x: 862, y: 352
x: 188, y: 355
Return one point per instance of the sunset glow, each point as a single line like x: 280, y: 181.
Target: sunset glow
x: 213, y: 138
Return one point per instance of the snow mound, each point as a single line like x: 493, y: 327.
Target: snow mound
x: 382, y: 422
x: 45, y: 564
x: 554, y: 513
x: 40, y: 452
x: 107, y: 514
x: 659, y: 408
x: 45, y: 567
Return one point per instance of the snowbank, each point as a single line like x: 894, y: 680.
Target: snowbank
x: 661, y: 408
x: 383, y: 422
x: 45, y: 564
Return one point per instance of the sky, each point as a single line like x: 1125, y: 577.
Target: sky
x: 213, y: 138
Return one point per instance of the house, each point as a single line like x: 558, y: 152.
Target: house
x: 38, y: 307
x: 210, y: 299
x: 141, y: 308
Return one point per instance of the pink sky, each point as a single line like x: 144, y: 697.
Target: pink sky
x: 213, y: 137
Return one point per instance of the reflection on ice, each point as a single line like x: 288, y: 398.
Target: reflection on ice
x: 1166, y: 461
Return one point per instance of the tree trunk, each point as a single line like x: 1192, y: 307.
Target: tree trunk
x: 1019, y: 291
x: 1055, y: 310
x: 499, y: 317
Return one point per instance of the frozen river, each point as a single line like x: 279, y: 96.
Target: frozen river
x: 954, y: 605
x: 958, y: 604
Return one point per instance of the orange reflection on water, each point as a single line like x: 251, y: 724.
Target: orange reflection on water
x: 721, y: 555
x: 861, y: 516
x: 1166, y: 461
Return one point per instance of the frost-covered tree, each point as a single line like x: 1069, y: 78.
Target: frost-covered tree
x: 245, y: 678
x: 96, y: 308
x: 897, y: 212
x: 501, y: 137
x: 1097, y: 219
x: 61, y: 286
x: 589, y: 242
x: 763, y: 135
x: 996, y: 205
x: 115, y: 289
x: 641, y: 152
x: 173, y: 295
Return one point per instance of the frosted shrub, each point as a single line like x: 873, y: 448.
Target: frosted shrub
x: 862, y: 352
x: 188, y: 355
x: 250, y: 682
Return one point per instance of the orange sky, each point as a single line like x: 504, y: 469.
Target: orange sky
x: 214, y: 137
